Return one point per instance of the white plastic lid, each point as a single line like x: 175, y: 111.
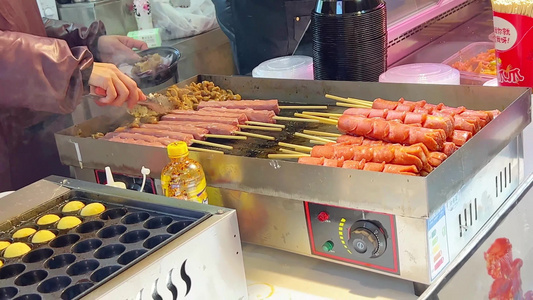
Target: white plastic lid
x: 422, y: 73
x: 492, y: 82
x: 286, y: 67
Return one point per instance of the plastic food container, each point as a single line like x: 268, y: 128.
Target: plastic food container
x: 472, y: 50
x: 286, y: 67
x: 424, y: 73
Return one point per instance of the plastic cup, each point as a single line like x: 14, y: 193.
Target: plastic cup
x: 513, y: 36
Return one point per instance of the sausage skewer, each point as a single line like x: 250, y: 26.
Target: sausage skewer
x: 215, y: 128
x: 392, y: 132
x: 360, y: 165
x: 162, y: 136
x: 423, y: 119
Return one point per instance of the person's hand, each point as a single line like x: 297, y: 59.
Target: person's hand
x: 117, y: 49
x: 118, y: 87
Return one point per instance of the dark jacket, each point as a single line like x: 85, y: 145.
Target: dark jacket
x: 260, y: 30
x: 45, y: 69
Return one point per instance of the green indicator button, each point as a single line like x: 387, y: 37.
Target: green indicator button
x: 328, y: 246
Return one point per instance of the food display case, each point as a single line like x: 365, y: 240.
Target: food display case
x: 467, y: 53
x: 424, y: 222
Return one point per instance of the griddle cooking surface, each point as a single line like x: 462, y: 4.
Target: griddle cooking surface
x: 255, y: 147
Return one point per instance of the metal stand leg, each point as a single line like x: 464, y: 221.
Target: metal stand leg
x: 419, y: 288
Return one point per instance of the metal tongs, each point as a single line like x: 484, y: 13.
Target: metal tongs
x: 157, y: 103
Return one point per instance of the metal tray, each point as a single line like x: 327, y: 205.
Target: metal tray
x: 251, y: 172
x: 83, y: 258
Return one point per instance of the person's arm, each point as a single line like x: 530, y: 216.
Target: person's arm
x: 76, y: 35
x: 42, y: 74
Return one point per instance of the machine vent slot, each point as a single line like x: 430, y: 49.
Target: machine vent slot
x: 428, y: 23
x: 470, y: 212
x: 475, y: 208
x: 510, y: 173
x: 496, y: 186
x: 460, y: 227
x: 468, y: 217
x: 505, y: 176
x: 503, y: 180
x: 466, y: 220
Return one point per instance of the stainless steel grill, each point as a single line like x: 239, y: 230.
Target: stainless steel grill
x: 278, y: 201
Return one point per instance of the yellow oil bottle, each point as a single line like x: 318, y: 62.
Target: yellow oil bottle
x: 183, y: 178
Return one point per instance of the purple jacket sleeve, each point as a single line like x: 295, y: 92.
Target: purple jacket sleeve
x: 76, y: 35
x: 42, y: 74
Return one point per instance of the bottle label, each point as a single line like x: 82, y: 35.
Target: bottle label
x: 196, y: 193
x: 199, y: 193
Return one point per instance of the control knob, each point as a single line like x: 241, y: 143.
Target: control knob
x: 367, y: 239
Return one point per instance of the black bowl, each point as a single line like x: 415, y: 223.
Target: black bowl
x: 163, y: 75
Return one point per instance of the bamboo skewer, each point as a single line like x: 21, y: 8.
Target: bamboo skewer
x: 296, y: 147
x: 312, y: 137
x: 283, y: 150
x: 350, y: 100
x: 295, y: 119
x: 265, y: 124
x: 224, y: 136
x: 255, y: 135
x: 211, y: 144
x: 205, y: 150
x: 363, y: 102
x: 333, y: 97
x: 283, y: 155
x: 318, y: 119
x: 320, y: 114
x: 318, y: 142
x: 260, y: 128
x: 321, y: 133
x: 342, y: 104
x: 303, y: 107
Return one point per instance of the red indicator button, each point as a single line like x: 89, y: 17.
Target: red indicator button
x: 323, y: 216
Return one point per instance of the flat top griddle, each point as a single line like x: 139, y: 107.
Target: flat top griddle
x: 246, y: 168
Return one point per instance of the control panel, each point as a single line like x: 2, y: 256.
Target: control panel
x: 353, y: 236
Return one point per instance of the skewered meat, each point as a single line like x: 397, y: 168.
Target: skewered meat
x: 449, y: 148
x: 141, y: 137
x: 461, y: 123
x: 460, y: 137
x: 265, y: 116
x: 395, y: 154
x: 135, y: 142
x: 192, y: 118
x: 483, y: 117
x: 427, y: 121
x: 436, y: 158
x: 360, y: 165
x: 239, y: 116
x: 198, y: 133
x: 243, y: 104
x: 391, y: 131
x: 176, y: 136
x: 354, y: 140
x: 214, y: 128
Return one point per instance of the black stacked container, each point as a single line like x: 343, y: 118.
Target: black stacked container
x: 349, y: 39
